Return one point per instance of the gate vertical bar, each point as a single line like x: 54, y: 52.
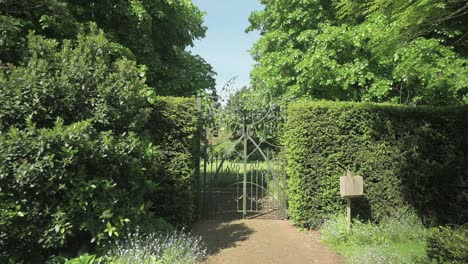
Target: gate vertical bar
x: 251, y: 186
x: 256, y: 190
x: 198, y: 157
x: 237, y: 189
x: 205, y: 157
x: 244, y: 185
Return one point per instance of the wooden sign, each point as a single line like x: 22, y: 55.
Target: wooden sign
x: 351, y: 186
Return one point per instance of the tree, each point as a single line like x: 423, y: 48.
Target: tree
x: 154, y: 33
x: 410, y: 52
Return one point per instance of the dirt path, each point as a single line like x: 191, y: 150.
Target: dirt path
x: 261, y: 241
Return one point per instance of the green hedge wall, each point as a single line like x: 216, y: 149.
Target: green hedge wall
x: 410, y: 157
x: 64, y: 186
x: 173, y: 128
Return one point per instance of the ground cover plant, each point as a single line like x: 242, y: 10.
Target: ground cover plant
x: 396, y: 239
x: 157, y: 248
x: 159, y: 244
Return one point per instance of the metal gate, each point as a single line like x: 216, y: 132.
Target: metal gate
x: 247, y: 180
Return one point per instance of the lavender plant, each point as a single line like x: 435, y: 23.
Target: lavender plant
x: 157, y: 248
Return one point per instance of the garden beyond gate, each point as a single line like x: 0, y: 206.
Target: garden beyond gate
x: 242, y: 173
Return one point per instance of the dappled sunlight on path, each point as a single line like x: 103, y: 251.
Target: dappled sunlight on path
x: 261, y: 241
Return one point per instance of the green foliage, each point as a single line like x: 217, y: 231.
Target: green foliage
x: 153, y: 33
x: 85, y: 259
x: 448, y: 245
x: 82, y: 79
x: 409, y: 157
x: 71, y: 184
x: 172, y: 128
x: 397, y: 239
x: 258, y: 109
x: 150, y: 224
x: 400, y: 22
x: 406, y: 52
x: 263, y: 117
x: 87, y: 149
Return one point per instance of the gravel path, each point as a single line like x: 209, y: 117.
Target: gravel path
x: 261, y: 241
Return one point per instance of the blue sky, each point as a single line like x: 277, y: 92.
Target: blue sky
x: 226, y: 44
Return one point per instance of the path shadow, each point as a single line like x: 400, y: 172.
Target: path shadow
x: 219, y: 234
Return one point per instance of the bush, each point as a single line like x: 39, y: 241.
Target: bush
x: 85, y: 149
x: 409, y: 157
x: 447, y: 245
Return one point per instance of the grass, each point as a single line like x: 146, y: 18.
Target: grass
x: 400, y: 239
x: 393, y: 253
x: 231, y: 172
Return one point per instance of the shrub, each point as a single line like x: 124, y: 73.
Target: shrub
x: 77, y: 80
x: 409, y: 157
x: 448, y: 245
x: 86, y: 150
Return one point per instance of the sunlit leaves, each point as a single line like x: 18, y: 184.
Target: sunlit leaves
x: 367, y: 50
x: 154, y: 33
x: 80, y: 80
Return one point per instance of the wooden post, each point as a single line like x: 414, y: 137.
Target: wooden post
x: 351, y: 186
x: 348, y: 212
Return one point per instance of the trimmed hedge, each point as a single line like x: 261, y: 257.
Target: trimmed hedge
x: 410, y: 157
x: 64, y: 186
x: 173, y: 129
